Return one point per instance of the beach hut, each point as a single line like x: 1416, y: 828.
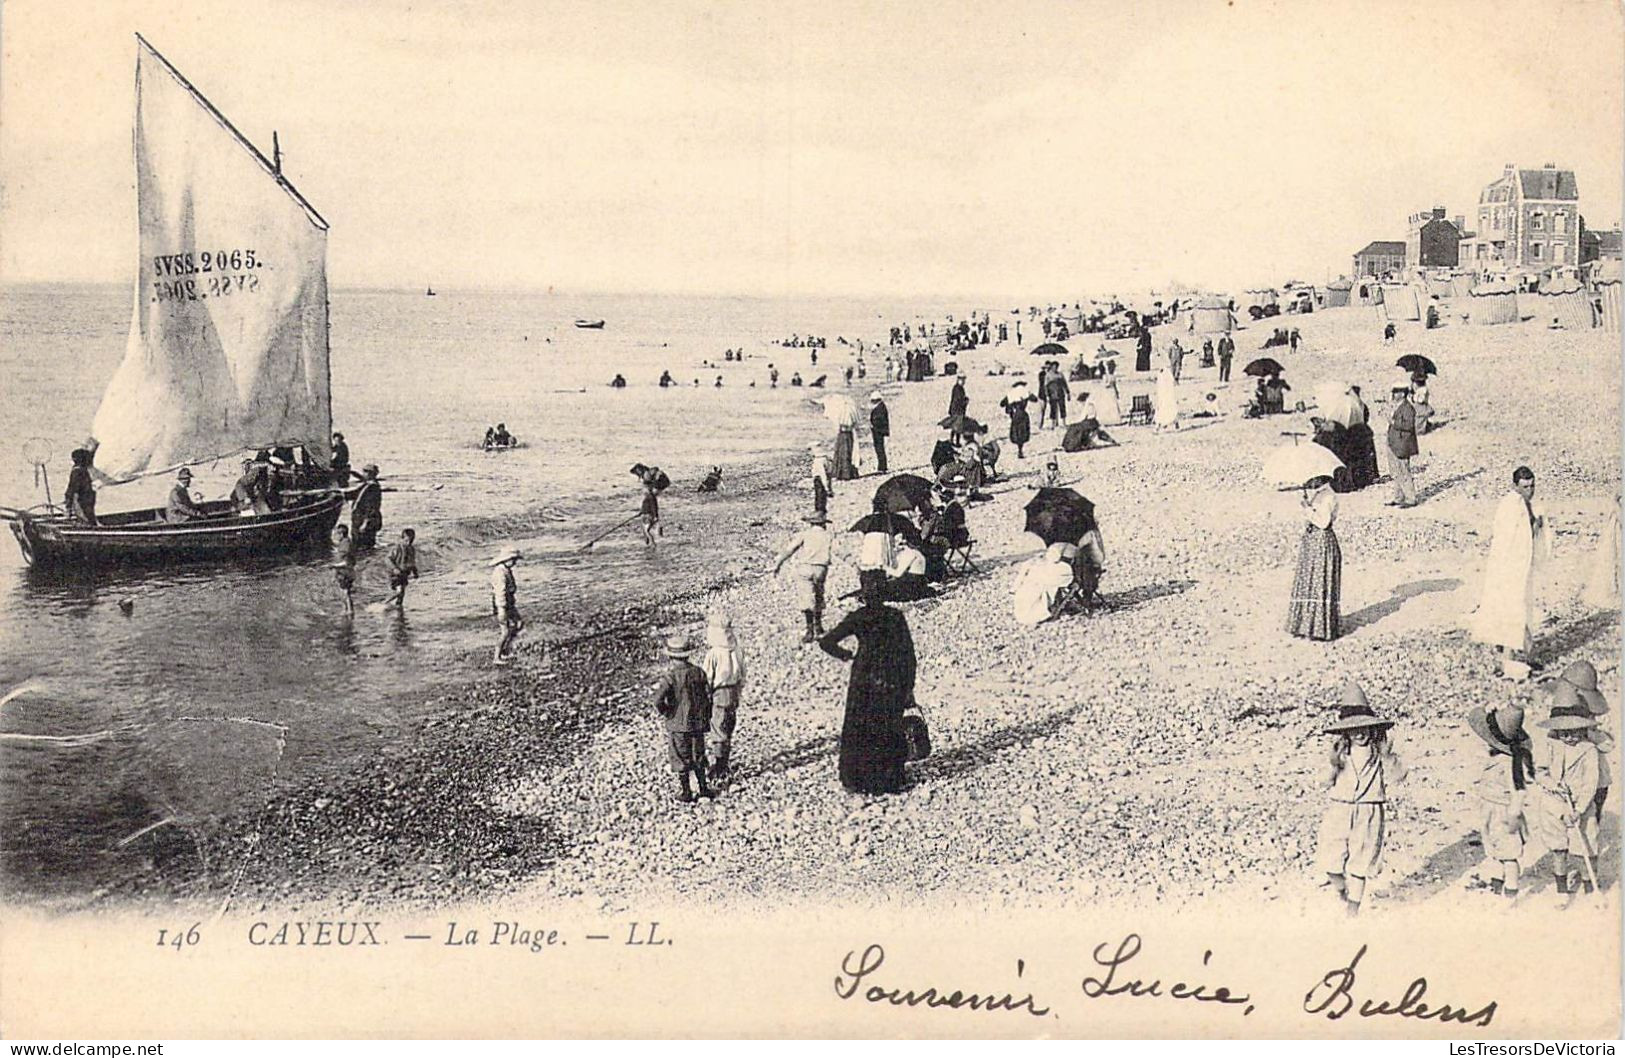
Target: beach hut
x: 1439, y: 286
x: 1495, y: 302
x: 1211, y: 315
x: 1365, y: 291
x: 1337, y: 293
x: 1400, y: 302
x: 1605, y: 289
x: 1563, y: 301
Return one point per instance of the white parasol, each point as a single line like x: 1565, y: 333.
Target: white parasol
x: 1292, y: 465
x: 839, y: 409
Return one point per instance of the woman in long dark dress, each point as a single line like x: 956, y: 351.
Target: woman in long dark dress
x: 1021, y: 425
x: 881, y: 686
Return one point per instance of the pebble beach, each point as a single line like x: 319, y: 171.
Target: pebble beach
x: 1163, y: 748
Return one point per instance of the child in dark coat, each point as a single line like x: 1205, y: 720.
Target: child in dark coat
x: 683, y: 700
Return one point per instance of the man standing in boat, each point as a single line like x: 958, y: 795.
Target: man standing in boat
x: 181, y: 508
x: 341, y: 460
x: 367, y: 509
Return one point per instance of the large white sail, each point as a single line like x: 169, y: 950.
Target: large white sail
x: 228, y: 343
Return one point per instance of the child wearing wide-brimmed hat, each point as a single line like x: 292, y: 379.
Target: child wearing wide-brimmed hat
x: 683, y: 700
x: 1353, y: 828
x: 504, y: 603
x: 812, y: 549
x: 1582, y: 676
x: 1569, y: 775
x: 1508, y: 774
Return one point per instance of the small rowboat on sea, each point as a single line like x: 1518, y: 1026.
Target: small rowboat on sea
x: 590, y: 325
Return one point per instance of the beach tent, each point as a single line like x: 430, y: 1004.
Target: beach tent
x: 1366, y: 291
x: 1399, y: 302
x: 1262, y: 298
x: 1439, y: 286
x: 1565, y: 301
x: 1337, y: 293
x: 1495, y: 302
x: 1461, y: 285
x: 1211, y: 315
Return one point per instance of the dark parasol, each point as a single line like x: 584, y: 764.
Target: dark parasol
x: 1059, y: 516
x: 1414, y: 362
x: 1263, y: 366
x: 1051, y: 349
x: 887, y: 522
x: 903, y: 493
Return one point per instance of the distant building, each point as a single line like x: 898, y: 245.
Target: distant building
x: 1528, y: 221
x: 1598, y: 245
x: 1431, y: 241
x: 1380, y: 258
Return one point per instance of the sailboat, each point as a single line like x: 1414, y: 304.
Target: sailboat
x: 428, y: 292
x: 228, y: 345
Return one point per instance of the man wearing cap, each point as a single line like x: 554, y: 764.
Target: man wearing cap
x: 1506, y: 610
x: 879, y: 427
x: 181, y: 508
x: 811, y: 547
x: 367, y: 509
x: 504, y: 604
x: 1507, y: 781
x: 683, y: 700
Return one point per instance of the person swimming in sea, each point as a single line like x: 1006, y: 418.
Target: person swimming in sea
x: 618, y: 382
x: 666, y: 379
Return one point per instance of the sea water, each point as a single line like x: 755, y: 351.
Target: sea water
x: 222, y: 681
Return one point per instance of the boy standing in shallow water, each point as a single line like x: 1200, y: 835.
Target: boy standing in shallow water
x: 344, y: 566
x: 651, y: 514
x: 403, y: 564
x: 504, y: 604
x: 1353, y: 829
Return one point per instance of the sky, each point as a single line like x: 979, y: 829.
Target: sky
x: 1040, y: 150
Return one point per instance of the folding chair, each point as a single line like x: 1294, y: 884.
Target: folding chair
x: 958, y: 557
x: 1139, y: 409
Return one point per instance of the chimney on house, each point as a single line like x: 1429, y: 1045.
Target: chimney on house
x: 1460, y: 223
x: 1438, y: 212
x: 1550, y: 165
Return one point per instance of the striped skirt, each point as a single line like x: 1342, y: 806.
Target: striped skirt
x: 1316, y: 609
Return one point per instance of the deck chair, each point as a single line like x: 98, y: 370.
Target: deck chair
x: 1139, y: 410
x: 958, y: 556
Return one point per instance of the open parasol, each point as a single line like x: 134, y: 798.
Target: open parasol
x: 886, y: 522
x: 839, y: 409
x: 962, y: 425
x: 1059, y: 516
x: 904, y: 492
x: 1292, y: 465
x: 1336, y: 403
x: 1414, y: 362
x: 1263, y: 366
x: 1050, y: 349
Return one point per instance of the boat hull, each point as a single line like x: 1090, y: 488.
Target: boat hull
x: 142, y: 538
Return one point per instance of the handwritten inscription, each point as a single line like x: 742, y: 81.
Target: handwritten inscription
x: 1113, y: 986
x: 1333, y: 996
x: 855, y: 969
